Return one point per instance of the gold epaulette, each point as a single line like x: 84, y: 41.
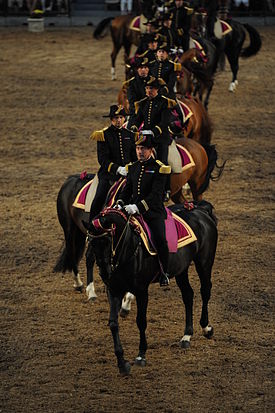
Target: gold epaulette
x: 177, y: 67
x: 180, y: 32
x: 164, y: 169
x: 189, y: 10
x: 137, y: 103
x: 127, y: 82
x: 171, y: 102
x: 98, y: 135
x: 161, y: 81
x: 143, y: 54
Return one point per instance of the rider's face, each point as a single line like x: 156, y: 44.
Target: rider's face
x: 161, y: 55
x: 143, y: 153
x: 179, y: 3
x: 153, y: 45
x: 118, y: 121
x: 151, y: 92
x: 143, y: 71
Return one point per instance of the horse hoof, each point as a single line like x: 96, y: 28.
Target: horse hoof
x: 209, y: 334
x: 125, y: 369
x: 140, y: 361
x: 185, y: 344
x: 92, y: 299
x: 124, y: 313
x: 79, y: 288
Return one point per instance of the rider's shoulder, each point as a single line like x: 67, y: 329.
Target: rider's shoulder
x: 163, y: 169
x: 139, y: 102
x: 98, y: 135
x: 127, y: 82
x: 170, y: 102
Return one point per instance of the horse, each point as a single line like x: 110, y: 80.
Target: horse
x: 70, y: 218
x: 126, y: 265
x: 122, y: 32
x: 231, y: 44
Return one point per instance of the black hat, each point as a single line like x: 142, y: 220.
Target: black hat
x: 116, y: 110
x: 145, y: 138
x: 151, y: 37
x: 164, y: 46
x: 141, y: 62
x: 154, y: 82
x: 167, y: 16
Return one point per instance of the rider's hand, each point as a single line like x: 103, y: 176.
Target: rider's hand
x: 131, y: 209
x: 121, y: 170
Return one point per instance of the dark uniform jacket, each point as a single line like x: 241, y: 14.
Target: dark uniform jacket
x: 181, y: 23
x: 150, y: 55
x: 135, y: 90
x: 145, y: 187
x: 155, y: 113
x: 169, y: 36
x: 115, y: 147
x: 167, y: 71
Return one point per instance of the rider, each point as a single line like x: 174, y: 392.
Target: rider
x: 143, y: 194
x: 211, y: 7
x: 115, y: 149
x: 181, y: 22
x: 136, y: 85
x: 153, y: 112
x: 165, y: 69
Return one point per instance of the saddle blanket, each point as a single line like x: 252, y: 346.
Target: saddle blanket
x: 179, y: 158
x: 221, y: 28
x: 87, y: 193
x: 178, y: 232
x: 137, y: 24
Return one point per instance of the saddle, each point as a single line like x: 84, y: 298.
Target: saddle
x: 178, y: 232
x: 221, y: 28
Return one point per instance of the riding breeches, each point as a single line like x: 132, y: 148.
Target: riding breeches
x: 157, y: 227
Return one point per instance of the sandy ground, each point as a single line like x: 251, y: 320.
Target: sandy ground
x: 56, y: 348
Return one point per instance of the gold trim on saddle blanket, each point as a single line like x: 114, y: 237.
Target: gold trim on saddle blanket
x: 76, y: 203
x: 228, y: 27
x: 141, y: 28
x: 182, y: 242
x: 191, y: 163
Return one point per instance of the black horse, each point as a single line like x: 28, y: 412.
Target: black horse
x: 125, y: 265
x: 230, y: 45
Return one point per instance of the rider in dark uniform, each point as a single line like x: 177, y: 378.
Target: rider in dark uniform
x: 115, y: 149
x: 167, y: 33
x: 154, y: 112
x: 181, y: 22
x: 136, y: 85
x: 151, y: 49
x: 211, y: 7
x: 165, y: 69
x: 143, y: 194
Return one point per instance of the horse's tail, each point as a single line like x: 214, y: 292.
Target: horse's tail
x: 101, y: 28
x: 255, y: 42
x: 212, y: 164
x: 74, y: 239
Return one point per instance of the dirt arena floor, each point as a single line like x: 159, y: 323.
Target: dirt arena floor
x: 56, y: 348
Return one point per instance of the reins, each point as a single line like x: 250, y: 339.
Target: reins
x: 114, y: 249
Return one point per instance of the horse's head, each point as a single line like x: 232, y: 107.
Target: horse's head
x: 104, y: 237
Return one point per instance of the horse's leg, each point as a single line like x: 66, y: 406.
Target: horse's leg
x: 187, y: 296
x: 90, y: 260
x: 126, y: 304
x: 206, y: 285
x: 207, y: 97
x: 142, y: 303
x: 116, y: 48
x: 115, y: 304
x: 73, y: 239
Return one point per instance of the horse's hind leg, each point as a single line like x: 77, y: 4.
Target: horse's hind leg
x: 90, y: 260
x: 187, y: 296
x: 206, y: 285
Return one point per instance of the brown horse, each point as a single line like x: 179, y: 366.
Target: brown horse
x: 197, y: 176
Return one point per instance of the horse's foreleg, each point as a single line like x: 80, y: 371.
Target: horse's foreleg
x: 90, y: 260
x: 78, y: 284
x: 206, y: 285
x: 187, y: 296
x: 126, y: 304
x: 142, y: 303
x: 115, y: 304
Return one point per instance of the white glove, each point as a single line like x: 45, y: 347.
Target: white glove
x: 121, y: 170
x: 131, y: 209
